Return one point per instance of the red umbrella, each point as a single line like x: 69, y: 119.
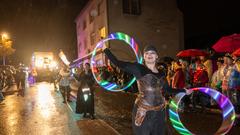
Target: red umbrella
x: 227, y: 43
x: 236, y: 53
x: 191, y: 53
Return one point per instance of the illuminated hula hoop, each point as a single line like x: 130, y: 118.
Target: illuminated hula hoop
x: 224, y: 103
x: 115, y: 36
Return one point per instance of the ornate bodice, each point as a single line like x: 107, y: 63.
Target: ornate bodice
x: 151, y: 90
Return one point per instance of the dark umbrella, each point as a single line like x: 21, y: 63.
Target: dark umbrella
x: 227, y: 43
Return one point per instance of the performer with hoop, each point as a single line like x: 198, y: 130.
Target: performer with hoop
x: 149, y: 116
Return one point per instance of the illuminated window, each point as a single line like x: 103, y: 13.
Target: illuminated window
x: 102, y: 32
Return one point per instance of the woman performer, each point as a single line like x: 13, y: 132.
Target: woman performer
x: 149, y: 116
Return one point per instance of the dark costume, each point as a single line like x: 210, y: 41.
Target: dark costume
x: 20, y: 79
x: 149, y: 109
x: 86, y: 81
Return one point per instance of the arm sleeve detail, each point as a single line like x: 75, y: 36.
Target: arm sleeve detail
x: 168, y: 90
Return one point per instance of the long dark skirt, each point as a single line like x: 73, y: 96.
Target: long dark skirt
x: 153, y: 124
x: 85, y: 106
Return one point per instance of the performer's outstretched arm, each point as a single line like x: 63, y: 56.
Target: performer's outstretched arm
x: 132, y: 68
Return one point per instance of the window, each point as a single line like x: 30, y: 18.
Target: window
x: 99, y: 8
x: 131, y: 7
x: 92, y: 38
x: 126, y: 6
x: 102, y: 32
x: 91, y: 17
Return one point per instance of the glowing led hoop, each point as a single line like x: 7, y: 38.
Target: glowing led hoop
x: 115, y: 36
x: 225, y: 104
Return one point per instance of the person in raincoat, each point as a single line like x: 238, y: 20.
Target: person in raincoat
x: 200, y: 79
x: 234, y: 86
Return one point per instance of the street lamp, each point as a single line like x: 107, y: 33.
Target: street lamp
x: 4, y: 37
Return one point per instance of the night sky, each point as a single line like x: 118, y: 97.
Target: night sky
x: 40, y: 25
x: 205, y: 21
x: 48, y: 25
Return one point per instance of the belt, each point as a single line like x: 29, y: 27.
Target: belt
x: 142, y: 110
x: 148, y: 107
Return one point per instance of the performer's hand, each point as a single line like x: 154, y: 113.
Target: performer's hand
x: 188, y: 92
x: 104, y: 46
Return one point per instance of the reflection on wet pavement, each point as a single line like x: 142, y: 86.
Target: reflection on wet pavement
x: 40, y: 112
x: 45, y: 101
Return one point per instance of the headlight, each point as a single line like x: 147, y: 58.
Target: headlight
x: 53, y: 64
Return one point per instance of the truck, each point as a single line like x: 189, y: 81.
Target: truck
x: 43, y: 65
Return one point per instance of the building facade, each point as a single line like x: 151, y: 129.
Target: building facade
x: 154, y: 22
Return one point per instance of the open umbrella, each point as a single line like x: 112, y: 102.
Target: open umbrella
x: 236, y: 53
x: 191, y: 53
x: 227, y: 43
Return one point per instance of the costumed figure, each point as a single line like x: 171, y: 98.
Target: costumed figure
x: 216, y: 81
x: 208, y: 64
x: 200, y: 79
x: 234, y: 85
x: 85, y: 95
x: 148, y: 116
x: 64, y: 84
x: 178, y: 81
x: 226, y: 72
x: 20, y: 80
